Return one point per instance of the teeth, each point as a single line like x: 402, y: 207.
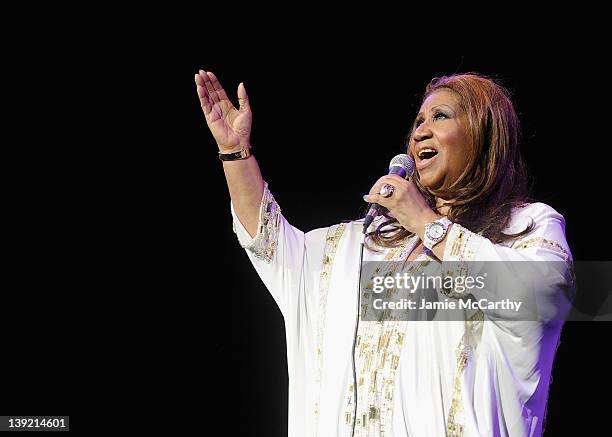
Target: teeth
x: 424, y: 151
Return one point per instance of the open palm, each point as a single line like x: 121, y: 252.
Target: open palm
x: 230, y: 127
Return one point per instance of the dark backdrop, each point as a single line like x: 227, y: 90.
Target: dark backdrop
x: 129, y: 287
x: 126, y: 296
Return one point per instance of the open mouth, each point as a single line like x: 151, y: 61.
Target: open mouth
x: 425, y: 157
x: 426, y: 154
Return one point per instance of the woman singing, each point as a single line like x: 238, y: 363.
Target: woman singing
x: 466, y: 202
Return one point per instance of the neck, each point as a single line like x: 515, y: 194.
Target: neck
x: 442, y: 209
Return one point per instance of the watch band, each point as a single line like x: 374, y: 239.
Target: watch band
x: 435, y: 232
x: 236, y: 156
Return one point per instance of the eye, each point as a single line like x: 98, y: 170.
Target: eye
x: 439, y: 115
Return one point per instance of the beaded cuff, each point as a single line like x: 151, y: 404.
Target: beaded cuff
x: 263, y: 245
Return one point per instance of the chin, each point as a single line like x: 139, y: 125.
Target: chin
x: 431, y: 182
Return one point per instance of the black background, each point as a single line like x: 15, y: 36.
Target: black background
x: 126, y: 286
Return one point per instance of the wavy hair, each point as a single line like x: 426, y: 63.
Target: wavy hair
x: 495, y: 180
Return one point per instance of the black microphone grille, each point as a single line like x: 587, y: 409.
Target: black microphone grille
x: 405, y: 161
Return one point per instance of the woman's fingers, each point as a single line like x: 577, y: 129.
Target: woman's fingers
x: 203, y: 94
x: 377, y: 185
x: 376, y: 198
x: 393, y: 179
x: 213, y: 97
x: 243, y: 98
x: 210, y: 89
x: 400, y: 186
x: 218, y: 88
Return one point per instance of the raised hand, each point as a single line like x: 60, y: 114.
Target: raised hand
x: 230, y: 127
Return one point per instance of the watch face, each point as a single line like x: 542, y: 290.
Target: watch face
x: 436, y: 230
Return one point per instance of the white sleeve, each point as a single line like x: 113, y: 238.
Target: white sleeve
x: 536, y: 269
x: 545, y: 243
x: 513, y: 356
x: 283, y: 256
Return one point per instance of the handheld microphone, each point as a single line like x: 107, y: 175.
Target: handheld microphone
x: 402, y: 165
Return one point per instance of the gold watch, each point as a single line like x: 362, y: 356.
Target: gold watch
x: 236, y: 156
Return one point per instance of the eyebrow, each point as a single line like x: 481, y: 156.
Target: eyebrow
x: 420, y: 114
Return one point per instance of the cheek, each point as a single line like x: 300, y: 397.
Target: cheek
x: 458, y: 157
x: 410, y: 149
x: 457, y: 150
x: 454, y: 163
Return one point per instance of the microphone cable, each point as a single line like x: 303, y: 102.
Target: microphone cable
x: 355, y: 334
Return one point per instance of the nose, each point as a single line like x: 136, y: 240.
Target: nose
x: 422, y: 132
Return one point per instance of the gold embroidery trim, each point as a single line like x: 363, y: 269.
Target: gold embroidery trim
x: 456, y: 249
x: 377, y: 358
x: 463, y: 244
x: 455, y: 423
x: 331, y: 244
x: 543, y: 242
x: 263, y: 245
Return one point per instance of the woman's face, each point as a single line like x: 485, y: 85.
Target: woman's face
x: 441, y: 145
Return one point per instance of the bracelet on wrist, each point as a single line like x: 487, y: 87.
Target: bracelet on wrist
x: 236, y: 156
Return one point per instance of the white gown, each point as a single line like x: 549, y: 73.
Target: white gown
x: 483, y: 377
